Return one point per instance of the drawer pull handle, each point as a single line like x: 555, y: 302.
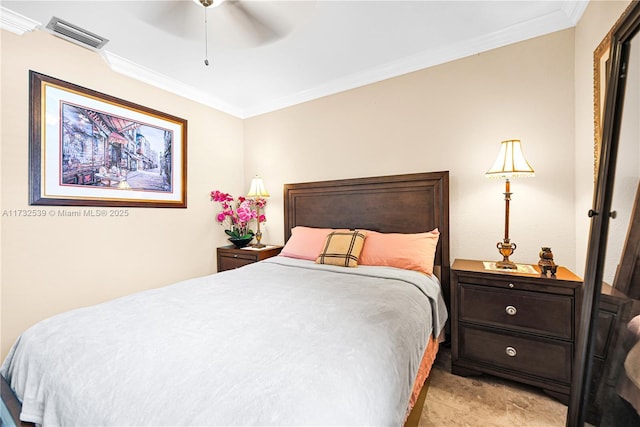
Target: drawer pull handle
x: 511, y: 352
x: 511, y: 285
x: 235, y: 256
x: 511, y: 310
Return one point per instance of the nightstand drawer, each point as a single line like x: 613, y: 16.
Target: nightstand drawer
x: 231, y: 262
x: 546, y: 359
x: 230, y: 257
x: 517, y: 310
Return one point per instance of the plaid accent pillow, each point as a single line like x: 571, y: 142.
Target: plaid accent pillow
x: 342, y: 248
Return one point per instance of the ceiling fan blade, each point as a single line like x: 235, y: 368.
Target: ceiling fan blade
x: 180, y: 18
x: 256, y: 21
x: 234, y: 24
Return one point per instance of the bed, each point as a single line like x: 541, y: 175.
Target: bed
x: 285, y: 341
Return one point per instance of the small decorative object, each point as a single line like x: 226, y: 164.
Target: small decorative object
x: 546, y: 263
x: 509, y: 164
x: 236, y: 215
x: 258, y: 192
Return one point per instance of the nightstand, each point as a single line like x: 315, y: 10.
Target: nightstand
x: 515, y: 325
x: 230, y: 257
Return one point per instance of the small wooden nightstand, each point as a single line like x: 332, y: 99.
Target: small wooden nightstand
x: 230, y: 257
x: 514, y: 325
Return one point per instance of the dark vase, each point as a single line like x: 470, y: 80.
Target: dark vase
x: 240, y: 242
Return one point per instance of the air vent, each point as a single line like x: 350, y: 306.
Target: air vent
x: 76, y: 34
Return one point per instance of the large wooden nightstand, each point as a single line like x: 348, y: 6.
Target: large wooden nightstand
x: 514, y: 325
x: 230, y: 257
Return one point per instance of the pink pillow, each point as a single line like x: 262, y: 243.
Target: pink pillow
x: 407, y: 251
x: 305, y: 242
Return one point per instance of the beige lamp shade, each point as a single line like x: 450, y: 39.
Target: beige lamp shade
x: 257, y: 188
x: 510, y: 162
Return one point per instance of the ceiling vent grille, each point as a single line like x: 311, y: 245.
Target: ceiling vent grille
x: 76, y: 34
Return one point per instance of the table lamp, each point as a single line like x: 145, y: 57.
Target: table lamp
x: 509, y: 164
x: 258, y: 191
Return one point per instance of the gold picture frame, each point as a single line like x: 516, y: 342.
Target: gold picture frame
x: 87, y: 148
x: 601, y: 56
x: 600, y: 75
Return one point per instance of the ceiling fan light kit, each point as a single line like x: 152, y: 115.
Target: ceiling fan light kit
x: 207, y: 3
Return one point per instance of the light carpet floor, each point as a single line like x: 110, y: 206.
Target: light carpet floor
x: 485, y: 401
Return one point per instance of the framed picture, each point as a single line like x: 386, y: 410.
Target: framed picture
x: 91, y: 149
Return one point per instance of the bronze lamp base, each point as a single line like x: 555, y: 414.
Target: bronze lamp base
x: 506, y: 249
x: 258, y: 237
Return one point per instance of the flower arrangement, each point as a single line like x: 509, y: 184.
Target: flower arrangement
x: 236, y: 215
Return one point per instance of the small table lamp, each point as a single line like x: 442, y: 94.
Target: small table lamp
x: 258, y: 191
x: 509, y: 164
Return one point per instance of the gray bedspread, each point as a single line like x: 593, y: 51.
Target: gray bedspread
x: 279, y: 342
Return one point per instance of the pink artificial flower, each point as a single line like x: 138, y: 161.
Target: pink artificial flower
x: 245, y: 214
x: 236, y: 215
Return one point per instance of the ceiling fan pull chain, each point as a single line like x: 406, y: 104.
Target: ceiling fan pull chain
x: 206, y: 40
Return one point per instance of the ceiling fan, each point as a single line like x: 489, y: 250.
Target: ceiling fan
x: 266, y: 32
x: 235, y: 23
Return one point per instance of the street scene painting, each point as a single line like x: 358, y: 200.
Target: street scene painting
x: 90, y: 149
x: 107, y: 151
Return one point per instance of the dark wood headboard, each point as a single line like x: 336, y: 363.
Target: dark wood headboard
x: 410, y: 203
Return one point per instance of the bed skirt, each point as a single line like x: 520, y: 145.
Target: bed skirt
x: 420, y: 387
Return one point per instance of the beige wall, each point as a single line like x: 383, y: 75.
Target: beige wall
x: 596, y: 22
x: 53, y: 264
x: 449, y: 117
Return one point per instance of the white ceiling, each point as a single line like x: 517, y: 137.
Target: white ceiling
x: 323, y: 47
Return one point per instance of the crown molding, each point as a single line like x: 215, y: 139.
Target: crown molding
x: 553, y: 22
x: 16, y: 23
x: 566, y: 17
x: 575, y: 9
x: 161, y: 81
